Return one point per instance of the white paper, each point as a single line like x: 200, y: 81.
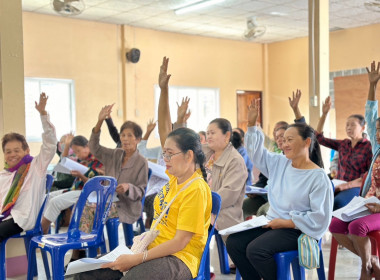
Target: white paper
x: 255, y: 190
x: 88, y: 264
x: 337, y: 182
x: 1, y: 216
x: 250, y: 224
x: 158, y: 170
x: 157, y: 180
x: 355, y: 209
x: 67, y: 165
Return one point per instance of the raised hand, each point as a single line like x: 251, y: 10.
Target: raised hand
x: 105, y: 112
x: 41, y: 106
x: 151, y: 125
x: 253, y: 112
x: 293, y: 102
x: 182, y: 110
x: 326, y: 106
x: 163, y: 78
x: 373, y: 75
x: 68, y: 138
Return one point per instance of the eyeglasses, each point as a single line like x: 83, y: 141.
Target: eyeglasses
x: 169, y: 157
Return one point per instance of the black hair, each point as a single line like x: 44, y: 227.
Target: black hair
x: 378, y: 120
x: 223, y: 124
x: 236, y: 139
x: 79, y: 141
x: 242, y: 133
x: 186, y: 140
x: 14, y: 137
x: 281, y: 123
x: 137, y: 131
x: 360, y: 118
x: 306, y: 131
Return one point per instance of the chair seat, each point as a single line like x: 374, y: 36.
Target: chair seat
x: 63, y: 240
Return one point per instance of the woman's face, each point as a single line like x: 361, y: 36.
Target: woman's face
x: 279, y: 138
x: 81, y: 152
x: 128, y: 140
x: 216, y: 140
x: 178, y: 162
x: 294, y: 146
x: 13, y: 153
x: 353, y: 128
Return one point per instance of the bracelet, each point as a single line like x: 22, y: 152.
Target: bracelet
x: 145, y: 255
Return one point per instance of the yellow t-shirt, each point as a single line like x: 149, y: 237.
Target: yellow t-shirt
x: 190, y: 211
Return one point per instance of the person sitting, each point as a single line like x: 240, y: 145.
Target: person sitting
x: 63, y: 199
x: 300, y: 196
x: 355, y: 155
x: 237, y: 140
x: 202, y: 135
x: 176, y: 252
x: 354, y: 235
x: 23, y: 181
x: 126, y: 165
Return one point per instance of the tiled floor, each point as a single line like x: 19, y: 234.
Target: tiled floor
x: 347, y: 267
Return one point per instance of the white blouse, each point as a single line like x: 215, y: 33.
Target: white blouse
x: 28, y: 204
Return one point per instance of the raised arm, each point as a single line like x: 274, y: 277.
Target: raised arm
x: 149, y: 128
x: 293, y: 102
x: 164, y: 120
x: 326, y: 106
x: 183, y: 113
x: 112, y: 130
x: 68, y: 138
x: 373, y: 77
x: 104, y: 113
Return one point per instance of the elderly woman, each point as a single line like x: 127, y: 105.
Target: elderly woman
x: 22, y: 183
x: 125, y: 164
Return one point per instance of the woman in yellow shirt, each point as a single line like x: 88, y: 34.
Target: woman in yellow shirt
x: 177, y: 250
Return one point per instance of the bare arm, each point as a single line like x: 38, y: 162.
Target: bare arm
x: 373, y: 77
x: 69, y: 137
x: 325, y: 110
x: 103, y: 114
x: 183, y: 113
x: 149, y: 128
x: 164, y: 120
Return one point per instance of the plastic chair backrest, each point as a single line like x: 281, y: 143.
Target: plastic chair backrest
x: 104, y: 193
x: 49, y: 182
x: 216, y: 205
x: 143, y: 199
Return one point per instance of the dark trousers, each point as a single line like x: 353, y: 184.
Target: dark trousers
x: 342, y: 198
x: 252, y: 250
x: 8, y: 228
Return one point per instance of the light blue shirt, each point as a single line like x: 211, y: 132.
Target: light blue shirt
x: 303, y: 195
x: 371, y: 117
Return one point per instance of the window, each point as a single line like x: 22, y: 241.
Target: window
x: 60, y: 106
x: 204, y: 104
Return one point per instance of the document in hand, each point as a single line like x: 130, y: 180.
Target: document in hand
x: 67, y: 165
x: 87, y: 264
x: 255, y: 190
x: 355, y: 209
x: 250, y: 224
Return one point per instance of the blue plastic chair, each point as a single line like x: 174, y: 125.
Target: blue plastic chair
x: 58, y: 244
x: 27, y: 236
x: 204, y: 267
x: 112, y: 226
x: 223, y: 255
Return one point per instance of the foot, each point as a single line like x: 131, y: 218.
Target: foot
x: 366, y: 273
x: 375, y: 266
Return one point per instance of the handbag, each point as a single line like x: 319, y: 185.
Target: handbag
x: 142, y: 241
x: 308, y: 252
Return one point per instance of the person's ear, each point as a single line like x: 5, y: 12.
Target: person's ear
x: 308, y: 142
x: 138, y: 140
x: 228, y: 136
x: 189, y: 155
x: 27, y: 150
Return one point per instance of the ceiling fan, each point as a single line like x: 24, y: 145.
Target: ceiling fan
x: 253, y: 30
x: 68, y: 7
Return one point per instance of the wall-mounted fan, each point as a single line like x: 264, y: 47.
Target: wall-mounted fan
x: 253, y: 30
x: 68, y: 7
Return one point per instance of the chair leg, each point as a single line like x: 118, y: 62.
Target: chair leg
x: 46, y: 264
x: 207, y: 267
x: 333, y: 252
x: 128, y: 234
x: 238, y: 276
x: 31, y: 259
x: 298, y: 271
x: 321, y: 269
x: 2, y: 260
x: 223, y: 255
x: 140, y: 222
x: 27, y: 240
x: 283, y: 267
x: 112, y: 226
x: 57, y: 264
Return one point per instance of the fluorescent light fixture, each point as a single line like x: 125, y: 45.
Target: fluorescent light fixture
x: 196, y: 6
x: 277, y: 14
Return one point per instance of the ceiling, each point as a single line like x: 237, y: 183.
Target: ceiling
x: 284, y: 19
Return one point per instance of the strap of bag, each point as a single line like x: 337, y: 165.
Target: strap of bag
x: 170, y: 203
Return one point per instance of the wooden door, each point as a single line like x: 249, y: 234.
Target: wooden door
x: 244, y: 98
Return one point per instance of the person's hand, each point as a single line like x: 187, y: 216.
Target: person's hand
x: 373, y: 207
x: 68, y: 138
x: 105, y: 112
x: 41, y: 106
x: 326, y: 106
x: 124, y: 262
x: 163, y: 78
x: 182, y: 110
x: 333, y: 173
x: 373, y: 75
x: 151, y: 125
x: 251, y: 195
x: 76, y: 173
x: 253, y: 112
x: 293, y: 102
x: 122, y: 188
x: 280, y: 223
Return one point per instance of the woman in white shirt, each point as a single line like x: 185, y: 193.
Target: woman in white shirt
x: 22, y: 182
